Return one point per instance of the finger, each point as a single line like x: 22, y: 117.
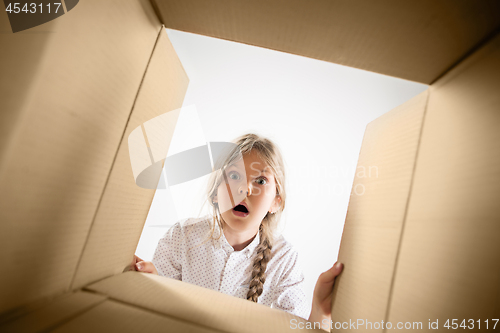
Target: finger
x: 329, y: 275
x: 324, y: 286
x: 134, y: 262
x: 137, y: 259
x: 336, y: 268
x: 145, y: 267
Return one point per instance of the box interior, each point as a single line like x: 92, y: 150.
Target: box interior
x: 420, y: 244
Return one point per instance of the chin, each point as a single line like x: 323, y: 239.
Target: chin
x: 235, y: 222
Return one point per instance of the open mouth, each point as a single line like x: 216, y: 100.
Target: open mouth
x: 241, y: 210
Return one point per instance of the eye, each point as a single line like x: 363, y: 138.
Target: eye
x: 234, y: 175
x: 263, y: 179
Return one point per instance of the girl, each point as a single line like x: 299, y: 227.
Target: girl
x: 235, y: 250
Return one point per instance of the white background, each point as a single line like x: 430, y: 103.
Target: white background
x: 315, y: 111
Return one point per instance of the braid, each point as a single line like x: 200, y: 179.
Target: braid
x: 259, y: 266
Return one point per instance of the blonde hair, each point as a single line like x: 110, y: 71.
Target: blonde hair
x: 271, y: 155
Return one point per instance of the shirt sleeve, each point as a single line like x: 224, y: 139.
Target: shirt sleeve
x: 168, y: 254
x: 289, y: 295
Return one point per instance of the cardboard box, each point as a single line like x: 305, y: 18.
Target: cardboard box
x: 420, y: 245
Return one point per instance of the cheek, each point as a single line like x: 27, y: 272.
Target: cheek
x: 266, y: 194
x: 263, y: 191
x: 257, y: 191
x: 270, y: 191
x: 223, y: 197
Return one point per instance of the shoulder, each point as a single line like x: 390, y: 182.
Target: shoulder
x: 283, y: 251
x: 286, y: 264
x: 195, y: 222
x: 190, y: 227
x: 281, y: 246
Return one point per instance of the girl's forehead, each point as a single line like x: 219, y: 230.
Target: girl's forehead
x: 254, y: 157
x: 252, y: 163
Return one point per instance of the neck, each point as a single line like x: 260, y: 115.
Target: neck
x: 239, y: 239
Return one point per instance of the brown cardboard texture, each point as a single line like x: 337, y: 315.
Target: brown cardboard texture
x: 115, y: 231
x: 450, y: 246
x: 51, y: 314
x: 65, y: 122
x: 446, y: 263
x: 420, y: 244
x: 372, y: 232
x: 188, y: 302
x: 117, y: 317
x: 413, y: 40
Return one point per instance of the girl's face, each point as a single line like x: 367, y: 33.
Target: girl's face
x: 251, y: 174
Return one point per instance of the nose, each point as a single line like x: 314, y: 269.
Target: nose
x: 245, y: 189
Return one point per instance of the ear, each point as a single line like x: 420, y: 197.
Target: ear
x: 275, y: 205
x: 215, y: 200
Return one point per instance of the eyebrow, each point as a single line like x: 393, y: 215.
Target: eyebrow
x: 261, y: 171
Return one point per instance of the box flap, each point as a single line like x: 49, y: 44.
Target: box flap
x: 21, y: 64
x: 374, y: 222
x: 64, y: 131
x: 124, y: 206
x: 449, y: 265
x: 191, y: 303
x: 52, y: 313
x: 413, y: 40
x: 118, y: 317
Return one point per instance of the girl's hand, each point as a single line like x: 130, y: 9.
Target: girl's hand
x: 143, y: 266
x: 322, y: 297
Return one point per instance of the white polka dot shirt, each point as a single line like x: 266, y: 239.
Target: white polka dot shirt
x: 187, y: 253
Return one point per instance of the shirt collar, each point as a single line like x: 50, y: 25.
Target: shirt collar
x: 222, y: 242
